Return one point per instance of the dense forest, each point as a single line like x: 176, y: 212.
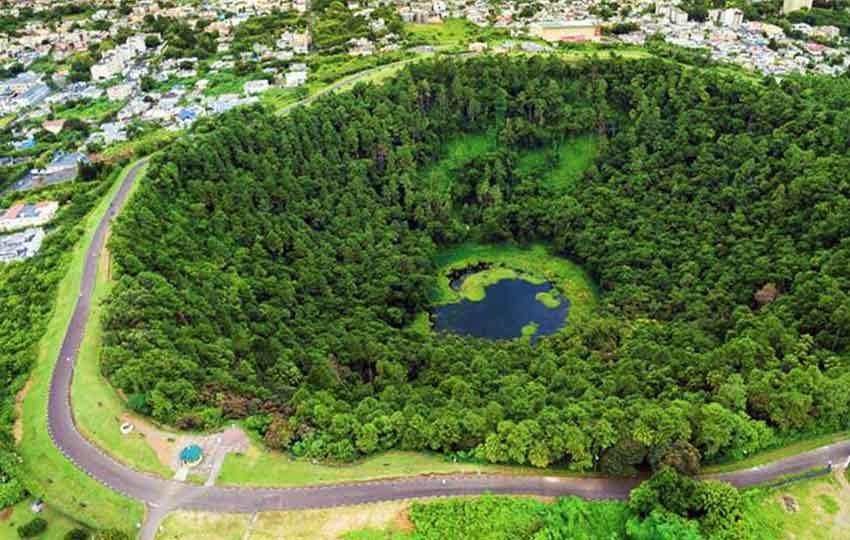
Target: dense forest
x: 270, y: 267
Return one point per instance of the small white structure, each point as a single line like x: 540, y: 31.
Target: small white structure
x: 295, y: 78
x: 256, y: 87
x: 732, y: 17
x: 126, y: 428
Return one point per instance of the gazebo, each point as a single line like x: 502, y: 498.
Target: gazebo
x: 191, y: 455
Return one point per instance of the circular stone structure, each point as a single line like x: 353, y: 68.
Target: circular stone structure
x: 191, y: 455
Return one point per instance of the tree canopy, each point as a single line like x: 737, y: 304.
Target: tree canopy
x: 269, y: 268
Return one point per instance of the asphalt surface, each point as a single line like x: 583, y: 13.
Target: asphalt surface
x: 162, y: 495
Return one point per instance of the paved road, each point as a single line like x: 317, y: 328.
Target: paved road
x: 161, y: 495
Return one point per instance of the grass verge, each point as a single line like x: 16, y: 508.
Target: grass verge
x: 58, y: 524
x: 98, y: 408
x: 776, y: 454
x: 46, y: 471
x: 449, y: 32
x: 259, y: 467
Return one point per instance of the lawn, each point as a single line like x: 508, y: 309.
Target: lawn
x: 457, y: 152
x: 151, y: 141
x: 533, y: 263
x: 58, y: 524
x: 96, y: 110
x: 816, y: 509
x: 449, y: 32
x: 575, y: 156
x: 227, y: 82
x: 296, y: 525
x: 259, y: 467
x: 46, y: 471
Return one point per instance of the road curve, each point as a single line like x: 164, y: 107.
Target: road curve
x: 161, y: 495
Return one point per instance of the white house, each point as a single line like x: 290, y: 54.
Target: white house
x: 295, y: 78
x: 256, y: 87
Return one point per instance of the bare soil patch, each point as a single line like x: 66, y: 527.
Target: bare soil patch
x: 19, y: 409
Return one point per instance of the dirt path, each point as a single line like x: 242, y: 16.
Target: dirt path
x: 19, y: 411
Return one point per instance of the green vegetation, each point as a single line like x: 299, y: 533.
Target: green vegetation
x: 813, y: 509
x: 271, y: 269
x: 97, y: 110
x: 46, y: 472
x: 259, y: 467
x: 534, y: 264
x: 15, y: 516
x: 562, y: 166
x: 515, y: 518
x: 668, y: 508
x: 97, y: 408
x: 474, y: 287
x: 449, y: 32
x: 550, y: 299
x: 458, y: 151
x: 529, y: 329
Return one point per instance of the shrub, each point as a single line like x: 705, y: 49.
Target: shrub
x: 33, y: 528
x: 111, y: 534
x: 77, y: 534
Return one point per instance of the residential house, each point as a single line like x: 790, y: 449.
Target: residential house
x: 22, y: 245
x: 53, y: 126
x: 22, y: 215
x: 256, y: 87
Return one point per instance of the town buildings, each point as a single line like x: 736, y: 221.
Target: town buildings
x: 21, y: 245
x: 795, y: 5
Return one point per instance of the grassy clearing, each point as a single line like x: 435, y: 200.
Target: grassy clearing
x: 530, y: 263
x: 96, y: 110
x: 297, y: 525
x: 259, y: 467
x: 46, y: 471
x: 146, y: 144
x: 574, y: 157
x: 813, y: 509
x: 458, y: 151
x: 776, y: 454
x: 6, y: 120
x: 449, y: 32
x: 58, y: 524
x: 97, y: 406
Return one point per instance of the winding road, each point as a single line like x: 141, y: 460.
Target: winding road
x: 162, y: 496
